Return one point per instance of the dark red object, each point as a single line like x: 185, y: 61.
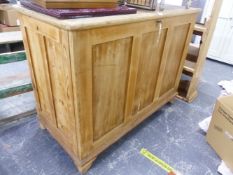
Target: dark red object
x: 3, y: 1
x: 79, y: 13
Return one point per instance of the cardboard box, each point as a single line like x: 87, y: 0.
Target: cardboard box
x: 8, y: 15
x: 220, y: 132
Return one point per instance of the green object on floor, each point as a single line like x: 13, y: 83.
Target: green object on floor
x: 12, y: 57
x: 15, y: 90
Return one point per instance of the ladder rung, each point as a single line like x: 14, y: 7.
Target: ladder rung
x: 199, y: 29
x: 10, y: 37
x: 193, y: 49
x: 4, y: 93
x: 189, y: 67
x: 12, y: 57
x: 5, y: 120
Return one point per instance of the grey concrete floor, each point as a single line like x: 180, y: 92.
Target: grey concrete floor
x: 172, y: 134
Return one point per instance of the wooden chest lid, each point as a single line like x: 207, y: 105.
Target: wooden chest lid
x: 94, y: 22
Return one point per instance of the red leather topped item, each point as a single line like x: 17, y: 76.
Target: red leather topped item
x: 79, y: 13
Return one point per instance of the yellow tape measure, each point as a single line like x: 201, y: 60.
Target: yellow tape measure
x: 157, y: 161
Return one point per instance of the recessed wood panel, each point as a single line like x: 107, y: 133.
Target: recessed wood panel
x: 55, y: 97
x: 110, y: 75
x: 174, y: 57
x: 40, y: 67
x: 59, y: 69
x: 150, y: 59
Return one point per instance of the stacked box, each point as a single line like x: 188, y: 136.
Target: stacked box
x: 8, y: 15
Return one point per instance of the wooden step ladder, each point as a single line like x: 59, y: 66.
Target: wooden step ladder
x: 197, y: 55
x: 13, y: 83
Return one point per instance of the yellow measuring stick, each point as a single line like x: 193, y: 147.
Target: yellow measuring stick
x: 157, y: 161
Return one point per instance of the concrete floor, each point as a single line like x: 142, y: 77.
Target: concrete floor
x: 172, y: 134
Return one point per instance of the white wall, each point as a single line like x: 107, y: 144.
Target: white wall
x: 174, y: 2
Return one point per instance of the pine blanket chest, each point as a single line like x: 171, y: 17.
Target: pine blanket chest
x: 97, y: 78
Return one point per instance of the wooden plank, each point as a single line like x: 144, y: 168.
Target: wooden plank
x: 16, y: 105
x: 5, y: 28
x: 193, y: 49
x: 10, y: 37
x: 188, y: 69
x: 16, y: 79
x: 193, y: 52
x: 6, y: 120
x: 189, y: 66
x: 12, y: 57
x: 199, y: 29
x: 15, y: 90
